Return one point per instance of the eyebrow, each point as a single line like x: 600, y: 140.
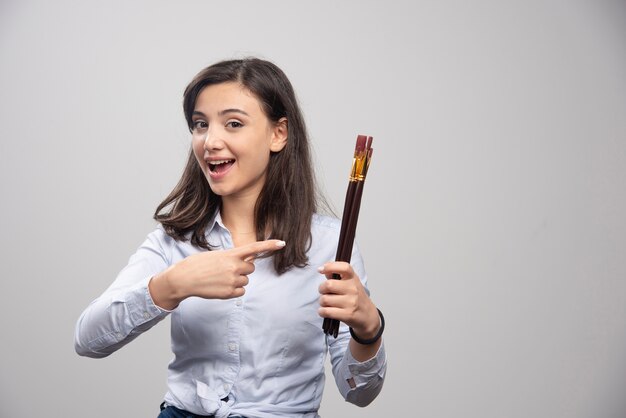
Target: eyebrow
x: 223, y: 112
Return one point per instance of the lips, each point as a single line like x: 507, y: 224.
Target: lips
x: 219, y: 167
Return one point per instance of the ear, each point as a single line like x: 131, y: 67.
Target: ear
x: 279, y: 135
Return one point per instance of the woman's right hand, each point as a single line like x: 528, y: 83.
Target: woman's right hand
x: 210, y: 274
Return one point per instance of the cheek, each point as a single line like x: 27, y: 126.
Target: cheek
x: 198, y: 150
x: 262, y: 163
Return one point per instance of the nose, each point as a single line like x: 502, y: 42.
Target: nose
x: 213, y: 141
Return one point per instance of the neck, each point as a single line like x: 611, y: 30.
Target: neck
x: 238, y: 214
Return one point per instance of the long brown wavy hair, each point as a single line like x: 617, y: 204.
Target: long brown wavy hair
x: 288, y: 198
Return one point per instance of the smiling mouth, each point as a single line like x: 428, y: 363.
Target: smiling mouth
x: 220, y: 166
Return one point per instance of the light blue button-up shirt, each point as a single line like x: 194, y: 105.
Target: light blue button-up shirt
x: 260, y: 355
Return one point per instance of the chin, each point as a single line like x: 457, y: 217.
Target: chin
x: 219, y: 190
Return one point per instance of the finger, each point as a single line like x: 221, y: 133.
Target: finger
x: 332, y: 313
x: 333, y: 287
x: 330, y: 275
x: 246, y: 267
x: 333, y: 301
x: 237, y: 292
x: 235, y: 289
x: 256, y: 249
x: 242, y: 281
x: 341, y: 268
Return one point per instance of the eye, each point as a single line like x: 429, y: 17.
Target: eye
x: 199, y: 125
x: 234, y: 124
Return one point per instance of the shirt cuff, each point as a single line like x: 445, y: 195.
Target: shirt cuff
x: 363, y: 372
x: 141, y: 307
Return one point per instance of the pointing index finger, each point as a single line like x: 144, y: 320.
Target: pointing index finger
x: 256, y: 249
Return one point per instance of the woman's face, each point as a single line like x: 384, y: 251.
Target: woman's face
x: 233, y: 138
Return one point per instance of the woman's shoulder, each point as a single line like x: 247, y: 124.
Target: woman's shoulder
x: 159, y: 233
x: 325, y: 229
x: 160, y: 239
x: 325, y: 222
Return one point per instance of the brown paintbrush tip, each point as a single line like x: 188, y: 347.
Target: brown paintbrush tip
x: 369, y: 142
x: 360, y: 144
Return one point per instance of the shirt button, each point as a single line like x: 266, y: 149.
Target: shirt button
x: 226, y: 387
x: 238, y: 302
x: 232, y: 346
x: 146, y: 315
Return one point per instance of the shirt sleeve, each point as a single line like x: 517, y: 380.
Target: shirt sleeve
x: 358, y: 382
x: 125, y: 310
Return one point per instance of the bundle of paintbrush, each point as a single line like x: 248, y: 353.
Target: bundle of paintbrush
x: 360, y: 164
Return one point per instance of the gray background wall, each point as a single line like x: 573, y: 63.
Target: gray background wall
x: 492, y: 223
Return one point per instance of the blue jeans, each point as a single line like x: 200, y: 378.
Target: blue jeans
x: 173, y: 412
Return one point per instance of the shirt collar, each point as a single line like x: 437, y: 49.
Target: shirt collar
x: 216, y: 224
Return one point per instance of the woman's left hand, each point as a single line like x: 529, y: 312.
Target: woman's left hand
x: 347, y: 301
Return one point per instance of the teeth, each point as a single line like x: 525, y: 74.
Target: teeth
x: 218, y: 162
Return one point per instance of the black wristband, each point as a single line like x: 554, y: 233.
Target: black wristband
x: 376, y: 337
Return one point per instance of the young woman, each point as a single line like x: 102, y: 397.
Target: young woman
x: 240, y: 261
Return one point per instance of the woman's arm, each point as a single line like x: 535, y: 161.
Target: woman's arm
x: 359, y: 382
x: 359, y: 369
x: 151, y: 286
x: 209, y: 274
x: 125, y: 309
x: 348, y: 301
